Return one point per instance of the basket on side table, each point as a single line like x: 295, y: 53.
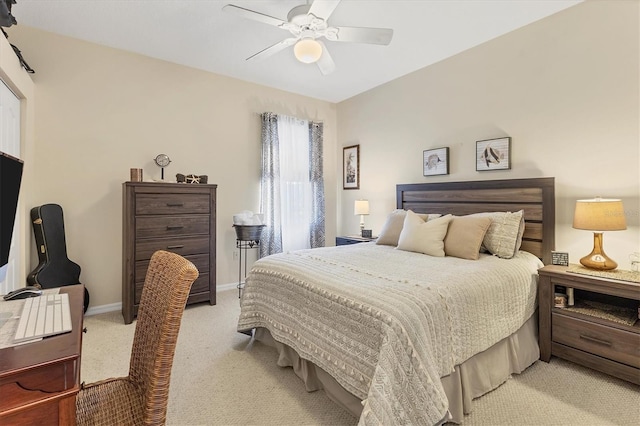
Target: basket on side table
x: 247, y: 237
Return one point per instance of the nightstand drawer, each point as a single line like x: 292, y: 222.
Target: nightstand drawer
x: 343, y: 241
x: 608, y: 342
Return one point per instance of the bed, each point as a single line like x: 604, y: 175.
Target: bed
x: 400, y: 337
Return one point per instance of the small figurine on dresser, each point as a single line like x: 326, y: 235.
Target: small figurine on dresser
x: 180, y: 178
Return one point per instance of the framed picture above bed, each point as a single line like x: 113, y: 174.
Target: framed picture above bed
x: 493, y: 154
x: 435, y: 161
x: 351, y: 167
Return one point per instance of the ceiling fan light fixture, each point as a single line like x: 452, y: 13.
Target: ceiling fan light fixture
x: 307, y: 50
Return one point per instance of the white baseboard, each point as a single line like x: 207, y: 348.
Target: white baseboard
x: 224, y: 287
x: 103, y: 309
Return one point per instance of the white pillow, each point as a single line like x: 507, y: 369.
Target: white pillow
x: 423, y: 237
x: 504, y: 236
x: 393, y: 226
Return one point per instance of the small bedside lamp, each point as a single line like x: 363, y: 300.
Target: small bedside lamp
x: 361, y: 207
x: 598, y: 215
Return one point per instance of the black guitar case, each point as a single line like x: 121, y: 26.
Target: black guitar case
x: 55, y: 269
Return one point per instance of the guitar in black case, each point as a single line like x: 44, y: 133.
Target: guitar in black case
x: 55, y: 269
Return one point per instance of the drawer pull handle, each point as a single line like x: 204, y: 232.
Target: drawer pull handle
x: 175, y: 247
x: 594, y: 340
x: 175, y: 204
x: 173, y: 228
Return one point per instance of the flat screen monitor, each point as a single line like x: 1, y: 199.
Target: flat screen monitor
x: 10, y: 178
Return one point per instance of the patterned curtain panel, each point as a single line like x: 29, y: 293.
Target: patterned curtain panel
x: 271, y: 240
x: 316, y: 177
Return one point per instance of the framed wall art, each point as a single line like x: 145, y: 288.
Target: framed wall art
x: 493, y: 154
x: 351, y: 167
x: 435, y: 161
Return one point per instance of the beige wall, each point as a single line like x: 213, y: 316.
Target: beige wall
x: 566, y: 89
x: 101, y: 111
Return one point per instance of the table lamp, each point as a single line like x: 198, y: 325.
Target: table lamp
x: 598, y: 215
x: 361, y: 208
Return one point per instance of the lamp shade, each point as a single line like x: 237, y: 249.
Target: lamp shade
x: 307, y: 50
x: 361, y: 207
x: 599, y: 214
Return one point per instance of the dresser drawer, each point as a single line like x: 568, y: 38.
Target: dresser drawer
x: 170, y: 226
x: 174, y: 204
x: 200, y: 285
x: 608, y: 342
x: 200, y: 261
x: 184, y: 246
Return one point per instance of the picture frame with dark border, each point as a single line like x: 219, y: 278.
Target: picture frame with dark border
x: 560, y: 258
x: 435, y: 161
x: 493, y: 154
x: 351, y: 167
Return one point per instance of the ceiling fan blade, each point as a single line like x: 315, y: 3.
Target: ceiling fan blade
x: 250, y: 14
x: 272, y: 50
x: 364, y: 35
x: 325, y: 63
x: 323, y: 8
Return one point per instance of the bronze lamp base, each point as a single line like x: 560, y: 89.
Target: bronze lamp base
x: 597, y: 259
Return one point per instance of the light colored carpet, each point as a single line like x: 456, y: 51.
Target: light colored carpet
x: 221, y: 377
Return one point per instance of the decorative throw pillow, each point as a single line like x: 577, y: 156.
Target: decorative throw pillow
x: 504, y: 236
x: 423, y: 237
x: 393, y: 226
x: 465, y: 235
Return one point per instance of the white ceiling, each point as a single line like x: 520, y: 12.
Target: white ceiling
x: 197, y: 33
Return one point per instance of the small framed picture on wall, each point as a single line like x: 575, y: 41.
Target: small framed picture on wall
x: 351, y: 167
x: 435, y: 161
x: 493, y: 154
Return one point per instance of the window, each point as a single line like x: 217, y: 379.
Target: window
x: 292, y: 186
x: 295, y: 186
x: 10, y: 143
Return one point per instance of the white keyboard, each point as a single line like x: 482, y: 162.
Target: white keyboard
x: 43, y: 316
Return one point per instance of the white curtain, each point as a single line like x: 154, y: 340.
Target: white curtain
x: 295, y: 185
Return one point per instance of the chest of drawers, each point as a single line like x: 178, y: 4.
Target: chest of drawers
x: 176, y: 217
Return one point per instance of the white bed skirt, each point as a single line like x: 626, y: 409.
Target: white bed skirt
x: 478, y: 375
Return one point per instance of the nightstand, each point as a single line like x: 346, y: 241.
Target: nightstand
x: 353, y: 239
x: 599, y: 330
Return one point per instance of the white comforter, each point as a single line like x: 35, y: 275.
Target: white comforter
x: 387, y: 324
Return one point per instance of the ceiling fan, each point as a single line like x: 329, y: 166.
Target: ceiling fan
x: 308, y: 24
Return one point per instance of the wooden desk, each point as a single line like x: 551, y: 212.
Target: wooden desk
x: 39, y: 381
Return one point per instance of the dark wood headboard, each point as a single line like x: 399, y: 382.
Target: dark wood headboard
x: 535, y: 196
